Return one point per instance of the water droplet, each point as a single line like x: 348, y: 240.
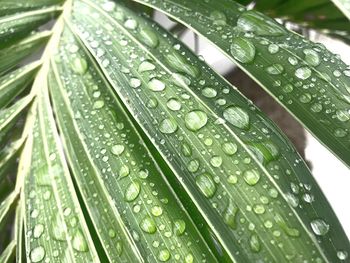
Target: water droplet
x: 305, y: 98
x: 38, y: 230
x: 164, y: 255
x: 251, y: 21
x: 168, y: 126
x: 193, y: 166
x: 340, y: 133
x: 179, y: 227
x: 132, y: 191
x: 37, y: 254
x: 179, y: 63
x: 343, y: 115
x: 303, y: 73
x: 79, y: 66
x: 275, y: 69
x: 124, y: 171
x: 342, y: 255
x: 112, y: 233
x: 216, y: 161
x: 320, y: 227
x: 148, y: 37
x: 229, y: 148
x: 189, y: 258
x: 237, y: 117
x: 311, y: 57
x: 273, y: 48
x: 209, y: 92
x: 131, y: 24
x: 259, y: 209
x: 180, y: 80
x: 288, y: 88
x: 99, y: 104
x: 195, y: 120
x: 186, y: 150
x: 264, y: 151
x: 118, y: 149
x: 242, y: 49
x: 146, y: 66
x: 157, y: 210
x: 219, y: 18
x: 206, y: 184
x: 230, y: 214
x: 79, y: 242
x: 254, y: 243
x: 251, y: 177
x: 174, y: 104
x: 148, y: 225
x: 57, y: 228
x: 156, y: 85
x: 135, y: 83
x: 152, y: 103
x: 109, y: 6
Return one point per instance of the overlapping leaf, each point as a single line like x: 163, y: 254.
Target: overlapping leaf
x: 136, y: 215
x: 307, y: 79
x: 245, y: 179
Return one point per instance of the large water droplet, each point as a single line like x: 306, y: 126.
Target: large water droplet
x: 219, y: 18
x: 320, y: 227
x: 132, y: 191
x: 230, y: 215
x: 265, y: 151
x: 275, y: 69
x: 148, y: 37
x: 216, y: 161
x: 156, y: 85
x: 229, y: 148
x: 195, y: 120
x: 209, y: 92
x: 117, y: 149
x: 179, y: 227
x: 80, y: 66
x: 342, y: 255
x: 193, y: 166
x: 79, y: 242
x: 254, y: 243
x: 343, y: 115
x: 311, y: 57
x: 251, y: 177
x: 303, y: 73
x: 179, y: 63
x: 37, y: 254
x: 168, y: 126
x: 164, y: 255
x: 173, y: 104
x: 237, y: 117
x: 146, y: 66
x: 135, y: 82
x: 206, y: 184
x: 131, y: 23
x: 38, y: 230
x: 251, y: 21
x: 243, y: 50
x: 148, y: 225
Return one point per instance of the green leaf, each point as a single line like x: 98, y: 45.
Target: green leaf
x: 135, y: 213
x: 8, y: 7
x: 16, y: 26
x: 11, y: 56
x: 231, y: 163
x: 8, y: 254
x: 54, y: 223
x: 344, y: 6
x: 8, y: 157
x: 307, y: 79
x: 6, y: 207
x: 15, y: 82
x: 10, y: 115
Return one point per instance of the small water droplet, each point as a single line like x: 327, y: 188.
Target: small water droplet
x: 148, y: 37
x: 216, y: 161
x: 174, y: 104
x: 230, y: 214
x: 38, y: 230
x: 219, y: 18
x: 79, y: 242
x: 179, y: 227
x: 131, y: 23
x: 275, y: 69
x: 209, y: 92
x: 303, y: 73
x: 79, y: 66
x: 179, y: 63
x: 135, y: 83
x: 342, y: 255
x: 311, y: 57
x: 254, y: 243
x: 146, y: 66
x: 124, y: 171
x: 193, y: 166
x: 164, y: 255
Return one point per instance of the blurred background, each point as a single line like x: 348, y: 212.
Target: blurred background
x: 331, y: 174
